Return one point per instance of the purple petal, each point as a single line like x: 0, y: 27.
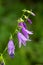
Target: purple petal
x: 12, y: 55
x: 23, y: 42
x: 19, y: 39
x: 25, y: 33
x: 21, y: 24
x: 29, y: 32
x: 22, y: 36
x: 24, y: 24
x: 22, y: 39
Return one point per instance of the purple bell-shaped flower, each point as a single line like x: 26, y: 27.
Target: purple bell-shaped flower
x: 11, y: 48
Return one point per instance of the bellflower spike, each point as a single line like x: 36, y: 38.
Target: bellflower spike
x: 26, y: 32
x: 22, y: 39
x: 11, y: 48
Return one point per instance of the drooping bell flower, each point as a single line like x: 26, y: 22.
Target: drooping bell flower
x: 11, y: 48
x: 26, y: 32
x: 20, y: 24
x: 22, y: 39
x: 29, y: 20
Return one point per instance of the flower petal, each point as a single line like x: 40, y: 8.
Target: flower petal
x: 27, y: 31
x: 24, y: 25
x: 21, y: 24
x: 23, y: 37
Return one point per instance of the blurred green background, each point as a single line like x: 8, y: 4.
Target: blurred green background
x: 10, y: 11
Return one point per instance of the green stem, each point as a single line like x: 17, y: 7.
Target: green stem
x: 16, y: 30
x: 4, y: 50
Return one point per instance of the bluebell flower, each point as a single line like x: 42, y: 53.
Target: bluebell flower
x: 22, y: 24
x: 22, y: 39
x: 11, y: 48
x: 26, y: 32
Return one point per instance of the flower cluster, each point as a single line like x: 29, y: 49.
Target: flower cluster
x: 22, y: 34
